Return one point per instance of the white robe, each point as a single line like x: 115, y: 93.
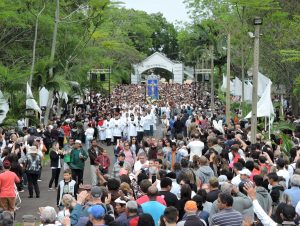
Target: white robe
x: 108, y: 129
x: 117, y: 127
x: 132, y: 128
x: 140, y: 125
x: 101, y: 131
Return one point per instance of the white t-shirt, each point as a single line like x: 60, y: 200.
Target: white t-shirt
x: 196, y: 148
x: 236, y: 180
x: 285, y: 174
x: 138, y: 165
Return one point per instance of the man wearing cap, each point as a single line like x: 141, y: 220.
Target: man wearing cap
x: 7, y: 189
x: 121, y: 210
x: 132, y: 213
x: 96, y: 215
x: 245, y: 175
x: 191, y: 218
x: 78, y: 157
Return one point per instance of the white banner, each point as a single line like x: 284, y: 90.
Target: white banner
x: 4, y: 107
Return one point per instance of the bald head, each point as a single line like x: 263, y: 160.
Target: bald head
x: 152, y: 192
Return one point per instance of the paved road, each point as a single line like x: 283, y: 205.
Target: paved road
x: 48, y: 198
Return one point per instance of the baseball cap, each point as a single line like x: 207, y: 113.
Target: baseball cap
x: 78, y: 142
x: 190, y: 206
x: 222, y: 179
x: 96, y: 192
x: 96, y: 211
x: 121, y: 201
x: 132, y: 205
x: 245, y: 172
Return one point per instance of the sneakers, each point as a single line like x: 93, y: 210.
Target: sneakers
x: 21, y: 191
x: 39, y: 180
x: 51, y: 189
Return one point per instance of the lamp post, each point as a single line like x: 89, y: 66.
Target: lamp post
x: 228, y: 80
x: 257, y: 22
x: 212, y: 89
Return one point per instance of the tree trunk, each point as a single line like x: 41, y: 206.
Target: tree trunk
x: 34, y: 45
x: 53, y: 50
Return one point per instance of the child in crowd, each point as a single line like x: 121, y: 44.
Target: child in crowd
x: 66, y: 186
x: 103, y: 161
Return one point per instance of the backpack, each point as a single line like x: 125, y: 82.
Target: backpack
x: 33, y: 164
x: 61, y: 133
x: 134, y: 221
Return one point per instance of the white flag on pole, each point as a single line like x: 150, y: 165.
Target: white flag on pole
x: 4, y: 107
x: 262, y: 83
x: 44, y: 96
x: 224, y: 85
x: 264, y: 105
x: 237, y: 87
x: 30, y: 101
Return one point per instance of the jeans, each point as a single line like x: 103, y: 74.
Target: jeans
x: 54, y: 177
x: 77, y: 175
x: 32, y: 183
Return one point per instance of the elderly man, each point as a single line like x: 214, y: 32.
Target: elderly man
x: 142, y: 162
x: 153, y: 207
x: 294, y: 191
x: 48, y: 215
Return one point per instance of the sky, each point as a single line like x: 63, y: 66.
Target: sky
x: 173, y: 10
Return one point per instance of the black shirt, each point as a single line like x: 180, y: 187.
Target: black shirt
x: 213, y: 195
x: 169, y: 197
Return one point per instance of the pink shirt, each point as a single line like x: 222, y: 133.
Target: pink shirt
x: 7, y: 184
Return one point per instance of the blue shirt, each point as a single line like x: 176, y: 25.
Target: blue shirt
x: 294, y: 193
x: 155, y: 209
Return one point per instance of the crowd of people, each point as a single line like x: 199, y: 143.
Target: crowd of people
x: 156, y: 163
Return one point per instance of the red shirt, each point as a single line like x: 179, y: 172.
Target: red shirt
x: 102, y: 160
x: 145, y: 198
x: 67, y: 130
x: 7, y: 184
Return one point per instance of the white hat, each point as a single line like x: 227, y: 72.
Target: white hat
x: 222, y: 179
x: 32, y: 150
x: 245, y: 171
x: 121, y: 201
x: 78, y: 142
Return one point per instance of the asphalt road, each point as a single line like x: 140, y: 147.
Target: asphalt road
x: 48, y: 198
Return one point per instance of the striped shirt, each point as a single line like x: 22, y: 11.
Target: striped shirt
x: 227, y: 217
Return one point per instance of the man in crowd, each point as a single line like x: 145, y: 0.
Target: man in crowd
x: 78, y: 157
x: 94, y: 151
x: 227, y: 215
